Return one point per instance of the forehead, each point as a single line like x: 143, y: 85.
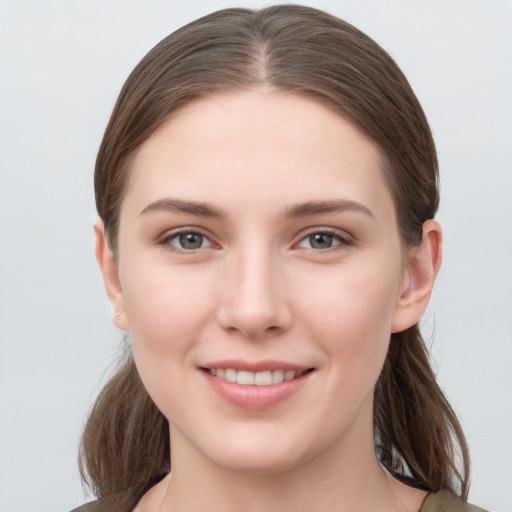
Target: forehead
x: 262, y: 144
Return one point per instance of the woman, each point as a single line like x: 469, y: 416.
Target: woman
x: 267, y: 187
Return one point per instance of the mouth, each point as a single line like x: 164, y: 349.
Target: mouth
x: 255, y: 386
x: 260, y: 378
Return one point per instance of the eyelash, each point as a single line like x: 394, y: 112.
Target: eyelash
x: 166, y: 241
x: 342, y: 240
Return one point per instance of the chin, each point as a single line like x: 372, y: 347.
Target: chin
x: 258, y: 464
x: 260, y: 454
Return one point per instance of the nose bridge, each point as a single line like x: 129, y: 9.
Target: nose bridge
x: 254, y: 301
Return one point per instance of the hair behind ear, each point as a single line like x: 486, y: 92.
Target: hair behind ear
x: 125, y: 446
x: 415, y: 426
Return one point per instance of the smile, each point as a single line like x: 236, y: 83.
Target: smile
x: 262, y: 378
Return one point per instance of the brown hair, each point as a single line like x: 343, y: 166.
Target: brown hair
x: 307, y: 52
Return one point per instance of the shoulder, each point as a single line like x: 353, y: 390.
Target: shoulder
x: 93, y: 506
x: 446, y: 501
x: 103, y: 505
x: 125, y: 501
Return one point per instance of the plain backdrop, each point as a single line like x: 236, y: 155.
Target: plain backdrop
x: 62, y: 63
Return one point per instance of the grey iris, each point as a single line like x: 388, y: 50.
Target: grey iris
x: 191, y: 241
x: 320, y: 240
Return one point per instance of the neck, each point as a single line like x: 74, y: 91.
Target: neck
x: 343, y: 478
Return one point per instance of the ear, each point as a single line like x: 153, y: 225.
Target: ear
x: 109, y: 270
x: 423, y: 264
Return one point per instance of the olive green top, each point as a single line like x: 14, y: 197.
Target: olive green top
x: 442, y: 501
x: 446, y: 501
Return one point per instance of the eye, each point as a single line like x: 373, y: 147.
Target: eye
x: 323, y: 240
x: 188, y: 241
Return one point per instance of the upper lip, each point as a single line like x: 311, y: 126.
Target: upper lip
x: 254, y: 366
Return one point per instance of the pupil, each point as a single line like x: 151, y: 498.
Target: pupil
x: 191, y: 241
x: 320, y: 241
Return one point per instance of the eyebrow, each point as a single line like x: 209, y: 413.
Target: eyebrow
x: 331, y: 206
x: 179, y: 206
x: 204, y: 209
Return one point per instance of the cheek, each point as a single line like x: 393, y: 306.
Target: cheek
x: 358, y: 297
x: 167, y: 310
x: 165, y: 301
x: 352, y: 320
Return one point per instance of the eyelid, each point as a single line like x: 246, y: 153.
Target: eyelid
x: 342, y: 237
x: 165, y: 239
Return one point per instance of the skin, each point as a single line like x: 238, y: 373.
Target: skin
x: 259, y: 289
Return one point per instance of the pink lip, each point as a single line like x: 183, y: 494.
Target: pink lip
x: 255, y: 398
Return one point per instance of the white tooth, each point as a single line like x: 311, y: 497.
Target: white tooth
x: 230, y: 375
x: 277, y: 376
x: 289, y: 375
x: 213, y: 371
x: 263, y: 378
x: 220, y: 373
x: 245, y: 378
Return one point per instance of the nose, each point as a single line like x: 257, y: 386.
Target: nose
x: 254, y: 301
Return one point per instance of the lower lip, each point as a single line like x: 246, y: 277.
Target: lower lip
x: 255, y: 398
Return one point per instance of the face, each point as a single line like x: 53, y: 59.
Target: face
x: 260, y: 274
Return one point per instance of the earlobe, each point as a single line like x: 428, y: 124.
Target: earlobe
x: 423, y: 266
x: 109, y: 270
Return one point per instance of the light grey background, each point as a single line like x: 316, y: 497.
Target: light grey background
x: 62, y: 64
